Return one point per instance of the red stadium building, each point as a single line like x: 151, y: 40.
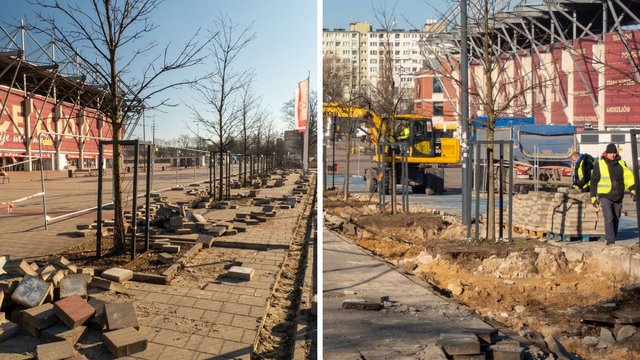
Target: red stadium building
x: 582, y: 69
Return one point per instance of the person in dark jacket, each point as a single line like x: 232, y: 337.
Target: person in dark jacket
x: 582, y: 171
x: 610, y: 178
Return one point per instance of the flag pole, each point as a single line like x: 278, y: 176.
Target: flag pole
x: 305, y: 142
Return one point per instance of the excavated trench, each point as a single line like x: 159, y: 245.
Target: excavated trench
x: 533, y: 288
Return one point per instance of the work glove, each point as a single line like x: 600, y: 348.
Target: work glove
x: 594, y: 201
x: 576, y: 187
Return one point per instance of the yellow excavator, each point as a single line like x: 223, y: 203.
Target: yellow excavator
x: 427, y: 148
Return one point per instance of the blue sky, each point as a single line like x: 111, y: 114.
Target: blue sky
x: 339, y: 13
x: 283, y: 53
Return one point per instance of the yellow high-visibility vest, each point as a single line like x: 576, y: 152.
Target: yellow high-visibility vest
x: 581, y: 174
x: 404, y: 134
x: 604, y: 185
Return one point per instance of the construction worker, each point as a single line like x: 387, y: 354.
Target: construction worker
x: 582, y: 171
x: 610, y: 178
x: 403, y: 137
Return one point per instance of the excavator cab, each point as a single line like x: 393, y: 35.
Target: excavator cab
x: 424, y: 140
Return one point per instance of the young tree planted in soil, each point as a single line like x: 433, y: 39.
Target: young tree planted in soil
x: 222, y: 88
x: 109, y: 39
x: 499, y: 82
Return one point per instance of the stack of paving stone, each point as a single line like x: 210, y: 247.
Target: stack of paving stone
x: 572, y: 214
x: 566, y: 212
x: 56, y: 303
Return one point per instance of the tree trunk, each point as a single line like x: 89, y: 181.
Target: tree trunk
x: 221, y: 181
x: 119, y: 233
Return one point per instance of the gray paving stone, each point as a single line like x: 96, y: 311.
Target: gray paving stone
x: 38, y: 318
x: 119, y: 275
x: 205, y: 239
x: 124, y: 342
x: 98, y: 282
x: 62, y: 332
x: 73, y: 284
x: 55, y: 351
x: 19, y: 267
x: 459, y: 344
x: 240, y: 272
x: 173, y: 249
x: 165, y: 258
x: 120, y: 316
x: 31, y: 292
x: 8, y: 330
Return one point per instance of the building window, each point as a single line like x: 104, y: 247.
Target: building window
x: 373, y: 52
x: 373, y: 43
x: 618, y: 138
x: 406, y: 52
x: 373, y: 68
x: 373, y: 61
x: 397, y: 52
x: 589, y: 139
x: 397, y: 44
x: 437, y: 86
x: 438, y: 109
x: 354, y: 35
x: 406, y: 43
x: 397, y: 36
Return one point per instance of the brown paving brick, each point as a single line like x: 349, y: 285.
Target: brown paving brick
x: 221, y: 296
x: 210, y: 315
x: 158, y: 297
x: 171, y: 338
x: 207, y: 304
x: 152, y: 352
x: 245, y: 322
x: 190, y: 313
x: 242, y: 291
x: 257, y: 311
x: 227, y: 332
x: 182, y: 300
x: 172, y: 353
x: 252, y: 300
x: 200, y: 294
x: 205, y: 344
x: 239, y: 309
x: 249, y: 336
x: 148, y: 332
x: 175, y: 290
x: 234, y: 349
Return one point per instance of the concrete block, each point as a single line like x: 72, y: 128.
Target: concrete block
x: 19, y: 267
x: 31, y: 292
x: 361, y: 304
x: 55, y: 351
x: 205, y: 240
x: 8, y: 330
x: 240, y: 228
x: 97, y: 321
x: 3, y: 260
x: 217, y: 230
x: 124, y: 342
x: 242, y: 273
x: 251, y: 222
x: 45, y: 270
x: 62, y: 332
x: 507, y: 350
x: 172, y: 249
x: 459, y: 344
x: 73, y: 284
x: 157, y: 245
x: 9, y: 284
x: 73, y: 310
x: 197, y: 218
x: 165, y: 258
x: 101, y: 283
x: 231, y: 232
x: 39, y: 317
x: 120, y: 316
x: 86, y: 271
x: 57, y: 277
x: 61, y: 261
x: 119, y: 275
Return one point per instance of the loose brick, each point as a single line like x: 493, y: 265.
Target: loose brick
x: 231, y: 232
x: 61, y: 261
x: 3, y: 260
x: 124, y: 342
x: 8, y: 330
x: 242, y: 273
x: 73, y: 284
x: 119, y: 275
x: 98, y: 282
x: 38, y: 318
x: 19, y: 267
x: 55, y: 351
x: 120, y: 316
x: 157, y: 245
x: 44, y: 270
x: 55, y: 278
x: 205, y: 239
x: 97, y: 321
x: 217, y: 230
x: 31, y: 292
x: 73, y: 311
x: 459, y: 344
x: 165, y: 258
x: 174, y: 249
x: 361, y: 304
x: 62, y: 332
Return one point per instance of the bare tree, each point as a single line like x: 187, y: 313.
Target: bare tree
x: 223, y: 87
x: 494, y: 90
x: 250, y: 115
x: 102, y: 34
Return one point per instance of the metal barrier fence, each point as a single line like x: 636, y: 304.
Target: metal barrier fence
x: 636, y: 172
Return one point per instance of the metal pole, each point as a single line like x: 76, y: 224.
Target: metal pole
x: 148, y: 198
x: 333, y: 154
x: 511, y: 191
x: 134, y: 201
x: 210, y: 174
x: 634, y: 163
x: 99, y: 218
x: 501, y: 200
x: 464, y: 114
x: 177, y: 164
x: 478, y: 148
x: 44, y: 197
x: 213, y: 161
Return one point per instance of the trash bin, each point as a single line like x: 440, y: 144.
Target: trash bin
x: 70, y: 172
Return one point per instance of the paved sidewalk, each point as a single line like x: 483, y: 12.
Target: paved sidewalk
x: 401, y: 332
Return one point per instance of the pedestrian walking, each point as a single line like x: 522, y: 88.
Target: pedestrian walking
x: 582, y: 171
x: 610, y: 178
